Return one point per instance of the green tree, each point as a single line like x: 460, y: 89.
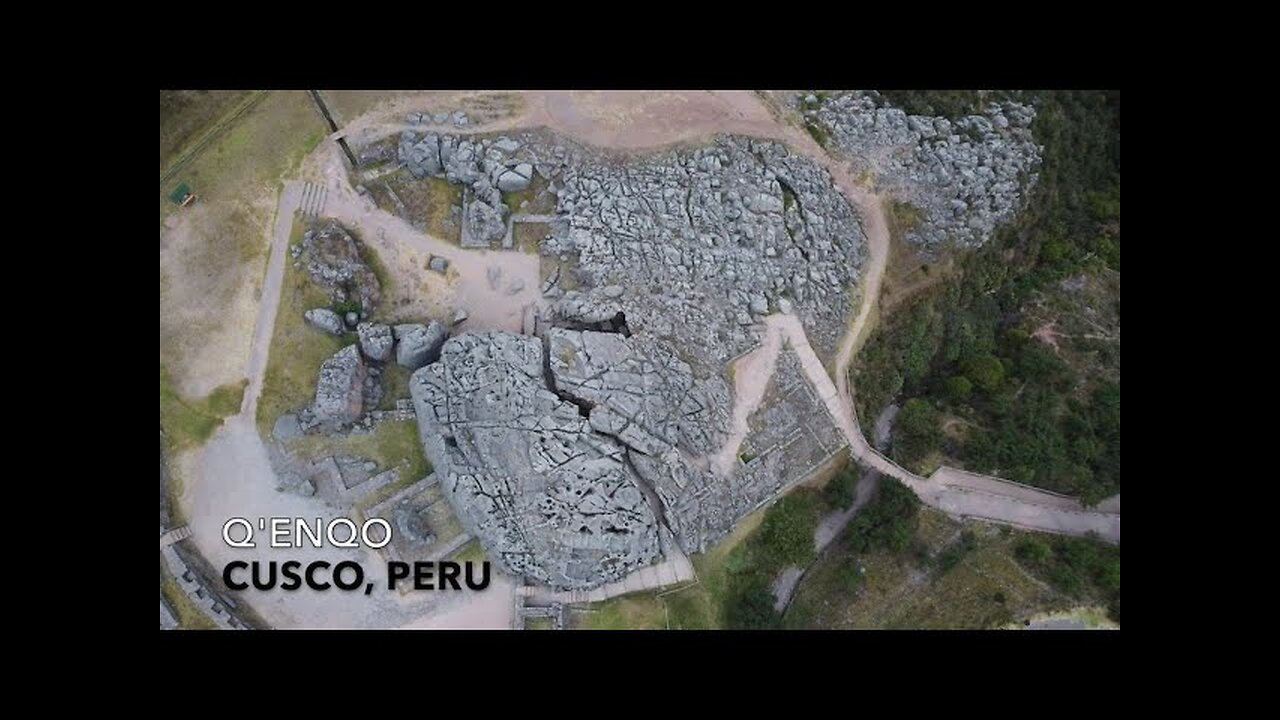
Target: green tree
x: 959, y: 389
x: 915, y: 432
x: 985, y: 371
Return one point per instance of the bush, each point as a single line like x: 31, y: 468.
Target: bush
x: 889, y: 521
x: 843, y: 488
x: 915, y: 432
x: 850, y: 574
x: 749, y: 603
x: 786, y: 535
x: 1075, y: 566
x: 986, y: 372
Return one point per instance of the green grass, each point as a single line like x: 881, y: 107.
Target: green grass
x: 188, y: 615
x: 903, y: 218
x: 428, y: 202
x: 471, y: 552
x: 370, y: 257
x: 255, y: 153
x: 297, y: 349
x: 539, y: 624
x: 190, y: 422
x: 540, y: 203
x: 391, y: 444
x: 187, y: 115
x: 527, y: 237
x: 953, y: 576
x: 395, y: 385
x: 633, y: 612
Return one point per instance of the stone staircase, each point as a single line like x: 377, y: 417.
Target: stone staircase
x: 313, y: 197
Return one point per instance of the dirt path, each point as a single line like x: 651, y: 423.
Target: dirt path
x: 751, y: 375
x: 270, y: 298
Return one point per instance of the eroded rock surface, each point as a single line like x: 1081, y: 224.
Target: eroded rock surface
x: 549, y: 497
x: 694, y: 245
x: 340, y: 388
x: 331, y: 257
x: 375, y: 340
x: 967, y: 175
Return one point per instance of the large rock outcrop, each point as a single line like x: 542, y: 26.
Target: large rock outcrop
x: 550, y: 498
x: 967, y: 175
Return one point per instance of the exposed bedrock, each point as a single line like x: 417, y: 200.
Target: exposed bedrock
x: 549, y: 497
x: 967, y: 175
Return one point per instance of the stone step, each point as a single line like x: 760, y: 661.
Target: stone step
x: 175, y: 535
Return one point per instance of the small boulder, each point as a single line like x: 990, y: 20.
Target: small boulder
x: 438, y: 264
x: 419, y: 345
x: 375, y: 340
x: 325, y: 320
x: 340, y: 388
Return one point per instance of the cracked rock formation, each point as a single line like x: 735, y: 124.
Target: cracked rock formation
x: 968, y: 175
x: 550, y: 498
x: 695, y: 245
x: 340, y: 388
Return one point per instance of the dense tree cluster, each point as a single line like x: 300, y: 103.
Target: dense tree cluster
x: 960, y: 348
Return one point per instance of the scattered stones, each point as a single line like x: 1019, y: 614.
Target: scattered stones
x: 325, y: 320
x: 375, y: 340
x: 460, y: 316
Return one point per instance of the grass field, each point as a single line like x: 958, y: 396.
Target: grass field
x: 391, y: 444
x: 471, y: 552
x: 632, y: 612
x: 527, y: 237
x: 213, y: 253
x: 187, y: 115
